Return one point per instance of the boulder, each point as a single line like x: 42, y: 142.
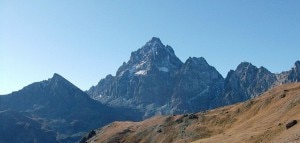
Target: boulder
x: 291, y: 124
x: 193, y: 116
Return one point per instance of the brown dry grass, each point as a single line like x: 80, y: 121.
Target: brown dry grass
x: 262, y: 119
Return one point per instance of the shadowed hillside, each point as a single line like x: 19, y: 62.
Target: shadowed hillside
x: 54, y: 110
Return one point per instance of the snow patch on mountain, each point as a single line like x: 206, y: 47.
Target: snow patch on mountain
x: 163, y: 69
x: 141, y: 72
x: 140, y: 64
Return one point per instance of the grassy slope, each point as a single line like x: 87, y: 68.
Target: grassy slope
x: 262, y: 119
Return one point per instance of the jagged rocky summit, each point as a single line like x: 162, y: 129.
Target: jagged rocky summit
x: 248, y: 81
x: 155, y: 81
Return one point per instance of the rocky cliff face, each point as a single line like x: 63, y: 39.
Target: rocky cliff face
x: 148, y: 75
x: 155, y: 81
x: 246, y: 82
x: 101, y: 88
x: 293, y: 75
x: 145, y: 82
x: 197, y: 84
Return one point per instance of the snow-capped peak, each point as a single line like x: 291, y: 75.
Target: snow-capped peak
x: 153, y: 55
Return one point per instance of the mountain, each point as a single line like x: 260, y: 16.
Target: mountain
x: 197, y: 85
x: 62, y: 107
x: 246, y: 82
x: 292, y: 75
x: 271, y: 117
x: 155, y: 81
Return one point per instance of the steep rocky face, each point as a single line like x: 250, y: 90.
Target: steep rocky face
x: 145, y: 82
x: 101, y: 88
x: 63, y: 108
x: 153, y: 55
x: 197, y: 85
x: 246, y: 82
x: 148, y: 75
x: 292, y: 75
x: 155, y: 81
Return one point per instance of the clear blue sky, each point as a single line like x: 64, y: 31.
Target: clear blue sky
x: 86, y: 40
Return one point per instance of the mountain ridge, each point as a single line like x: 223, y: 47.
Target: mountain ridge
x: 156, y: 81
x: 62, y: 107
